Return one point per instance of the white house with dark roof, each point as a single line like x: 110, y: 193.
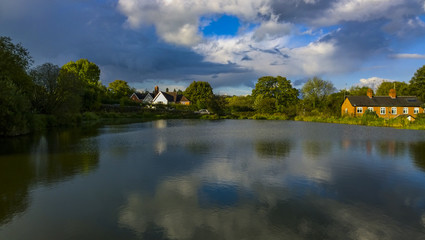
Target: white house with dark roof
x: 170, y: 97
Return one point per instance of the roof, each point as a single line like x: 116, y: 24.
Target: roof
x: 385, y: 101
x: 139, y: 95
x: 148, y: 94
x: 174, y: 97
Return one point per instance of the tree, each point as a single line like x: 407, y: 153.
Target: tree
x: 199, y: 93
x: 274, y: 89
x: 316, y: 90
x: 358, y: 91
x: 240, y: 103
x: 334, y: 102
x: 265, y: 104
x: 16, y: 88
x: 120, y: 89
x: 68, y: 94
x: 45, y: 78
x: 384, y: 88
x: 89, y: 74
x: 417, y: 84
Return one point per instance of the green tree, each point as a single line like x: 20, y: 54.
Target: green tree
x: 68, y: 94
x: 401, y: 87
x: 120, y: 89
x: 265, y: 104
x: 217, y: 105
x: 45, y: 78
x: 358, y: 91
x: 334, y: 102
x: 417, y: 84
x: 89, y: 74
x: 16, y: 88
x: 199, y: 93
x: 274, y: 89
x: 316, y: 90
x: 240, y: 103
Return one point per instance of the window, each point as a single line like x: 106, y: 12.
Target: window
x: 383, y: 111
x: 416, y: 110
x: 370, y: 109
x: 394, y: 110
x: 359, y: 110
x: 346, y: 110
x: 405, y: 110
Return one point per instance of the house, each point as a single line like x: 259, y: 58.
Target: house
x: 385, y: 106
x: 169, y: 98
x: 137, y: 97
x: 142, y: 97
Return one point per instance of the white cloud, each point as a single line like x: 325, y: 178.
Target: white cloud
x: 409, y: 55
x: 373, y: 82
x: 271, y: 57
x: 177, y: 21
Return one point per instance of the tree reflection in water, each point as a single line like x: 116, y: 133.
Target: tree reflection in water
x: 273, y: 149
x: 31, y: 160
x: 417, y: 151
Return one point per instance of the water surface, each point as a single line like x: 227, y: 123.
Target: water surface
x: 232, y: 179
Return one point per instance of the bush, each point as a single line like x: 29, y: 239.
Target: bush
x: 90, y: 116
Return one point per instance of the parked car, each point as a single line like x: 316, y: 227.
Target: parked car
x: 203, y: 111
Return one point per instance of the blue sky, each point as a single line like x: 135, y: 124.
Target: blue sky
x: 228, y: 43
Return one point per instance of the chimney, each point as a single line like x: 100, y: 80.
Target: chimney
x: 370, y: 93
x: 156, y: 90
x: 393, y: 94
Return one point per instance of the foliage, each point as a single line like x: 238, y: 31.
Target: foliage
x: 199, y: 93
x: 274, y: 90
x: 217, y: 105
x: 384, y: 88
x: 69, y: 93
x: 89, y: 74
x: 334, y: 102
x: 316, y: 90
x: 417, y: 84
x: 119, y: 89
x: 370, y: 114
x: 240, y: 103
x: 263, y: 104
x: 358, y: 91
x: 46, y: 79
x: 16, y: 88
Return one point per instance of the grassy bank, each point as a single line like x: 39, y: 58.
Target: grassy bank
x: 41, y: 122
x: 401, y: 123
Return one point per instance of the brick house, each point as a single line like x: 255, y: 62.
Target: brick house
x: 385, y: 106
x: 142, y: 97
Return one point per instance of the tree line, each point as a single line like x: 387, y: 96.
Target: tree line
x: 58, y: 95
x: 277, y: 96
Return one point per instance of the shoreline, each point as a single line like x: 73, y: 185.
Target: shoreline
x: 43, y: 123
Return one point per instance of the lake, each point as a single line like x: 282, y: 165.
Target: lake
x: 227, y: 179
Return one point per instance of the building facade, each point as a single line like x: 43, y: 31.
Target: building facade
x: 390, y: 106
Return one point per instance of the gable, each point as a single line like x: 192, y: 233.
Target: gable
x: 160, y: 98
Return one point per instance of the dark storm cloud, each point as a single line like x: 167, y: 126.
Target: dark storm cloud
x: 299, y: 11
x: 59, y: 32
x: 360, y: 39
